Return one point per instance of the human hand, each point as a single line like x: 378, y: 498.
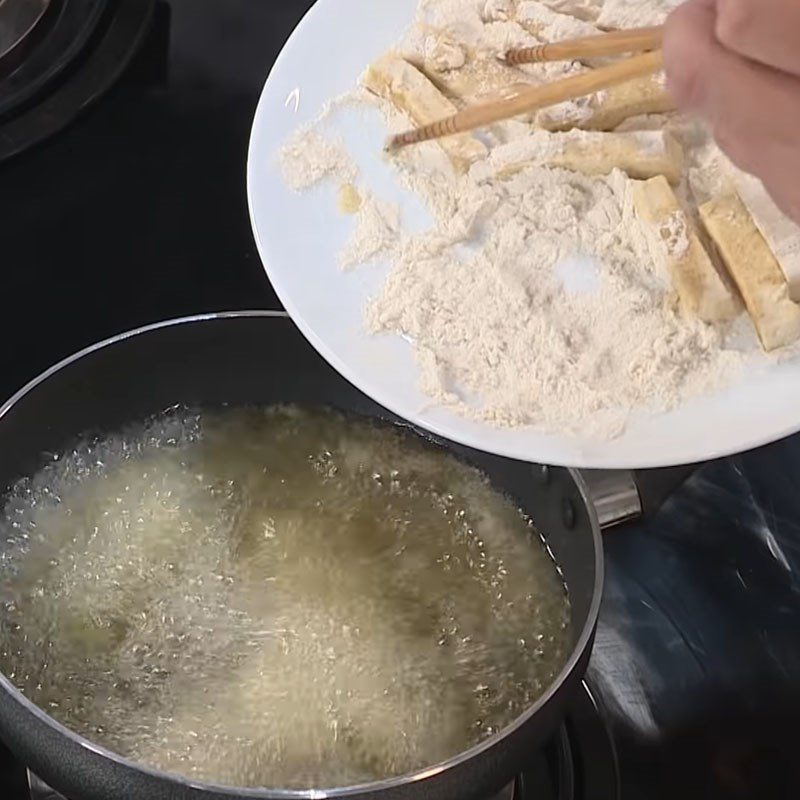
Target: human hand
x: 736, y: 63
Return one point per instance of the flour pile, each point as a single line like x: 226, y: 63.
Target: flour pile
x: 535, y: 298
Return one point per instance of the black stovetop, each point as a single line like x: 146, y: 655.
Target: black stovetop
x: 137, y: 212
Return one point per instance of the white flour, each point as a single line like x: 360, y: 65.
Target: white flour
x: 377, y: 231
x: 618, y: 14
x: 580, y: 9
x: 677, y: 238
x: 549, y: 25
x: 309, y: 157
x: 534, y: 300
x: 497, y: 326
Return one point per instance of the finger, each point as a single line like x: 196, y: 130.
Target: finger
x: 742, y: 99
x: 776, y: 166
x: 767, y: 31
x: 786, y: 197
x: 753, y: 110
x: 688, y: 51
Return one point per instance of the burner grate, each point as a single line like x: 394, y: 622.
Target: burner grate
x: 18, y: 21
x: 87, y: 46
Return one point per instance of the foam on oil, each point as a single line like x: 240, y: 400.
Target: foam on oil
x: 276, y: 597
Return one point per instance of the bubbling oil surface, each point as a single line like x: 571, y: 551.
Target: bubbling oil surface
x: 276, y: 597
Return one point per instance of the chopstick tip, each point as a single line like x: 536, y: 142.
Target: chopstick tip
x: 391, y: 145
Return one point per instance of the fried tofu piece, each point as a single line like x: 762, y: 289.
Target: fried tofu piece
x: 701, y: 290
x: 780, y: 233
x: 639, y: 154
x: 754, y: 269
x: 608, y: 109
x: 398, y: 81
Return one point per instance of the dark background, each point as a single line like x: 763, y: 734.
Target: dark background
x: 137, y: 212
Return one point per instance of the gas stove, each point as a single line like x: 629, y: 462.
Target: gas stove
x: 123, y: 202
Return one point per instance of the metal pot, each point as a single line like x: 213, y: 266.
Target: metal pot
x: 259, y: 357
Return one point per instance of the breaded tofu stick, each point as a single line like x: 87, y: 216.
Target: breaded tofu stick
x: 409, y: 90
x: 608, y: 109
x: 701, y: 290
x: 781, y: 234
x: 640, y: 154
x: 754, y: 269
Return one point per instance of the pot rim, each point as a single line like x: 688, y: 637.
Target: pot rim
x: 264, y: 793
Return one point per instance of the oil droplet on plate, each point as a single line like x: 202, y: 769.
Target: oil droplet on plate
x: 349, y: 200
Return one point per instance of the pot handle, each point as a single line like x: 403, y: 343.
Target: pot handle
x: 621, y: 496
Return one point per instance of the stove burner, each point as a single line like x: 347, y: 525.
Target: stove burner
x: 69, y: 26
x: 82, y: 47
x: 18, y: 18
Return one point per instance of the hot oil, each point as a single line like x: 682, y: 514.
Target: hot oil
x: 276, y: 597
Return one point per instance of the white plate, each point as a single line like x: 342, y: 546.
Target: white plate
x: 299, y: 236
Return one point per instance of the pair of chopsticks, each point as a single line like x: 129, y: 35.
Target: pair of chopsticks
x: 537, y: 97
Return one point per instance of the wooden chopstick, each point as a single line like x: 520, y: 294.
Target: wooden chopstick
x: 532, y: 99
x: 636, y: 40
